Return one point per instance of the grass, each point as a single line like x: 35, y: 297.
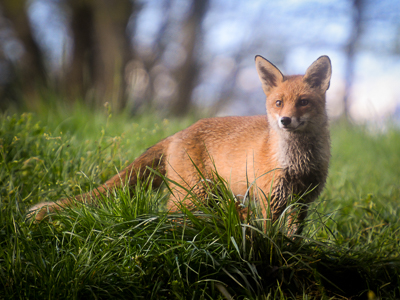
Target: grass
x: 128, y: 247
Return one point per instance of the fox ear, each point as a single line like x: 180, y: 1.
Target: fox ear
x: 269, y: 75
x: 318, y: 75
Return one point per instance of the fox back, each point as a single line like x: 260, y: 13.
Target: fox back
x: 273, y: 156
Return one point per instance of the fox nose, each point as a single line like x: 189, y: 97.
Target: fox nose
x: 286, y: 121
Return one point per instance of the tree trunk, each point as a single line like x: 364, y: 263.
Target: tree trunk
x: 30, y: 71
x: 80, y: 72
x: 187, y: 74
x: 350, y: 51
x: 101, y: 50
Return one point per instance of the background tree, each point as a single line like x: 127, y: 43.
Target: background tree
x: 350, y: 50
x: 101, y: 49
x: 186, y: 75
x: 29, y: 71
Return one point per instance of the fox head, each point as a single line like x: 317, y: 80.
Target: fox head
x: 295, y: 103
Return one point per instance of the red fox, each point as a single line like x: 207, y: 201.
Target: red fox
x: 292, y: 139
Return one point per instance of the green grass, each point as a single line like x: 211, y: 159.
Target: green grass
x: 129, y: 248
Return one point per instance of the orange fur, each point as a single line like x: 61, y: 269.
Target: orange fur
x: 284, y: 152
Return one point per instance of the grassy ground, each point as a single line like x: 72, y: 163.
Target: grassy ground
x: 129, y: 248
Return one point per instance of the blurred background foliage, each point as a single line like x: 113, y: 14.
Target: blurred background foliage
x: 175, y: 56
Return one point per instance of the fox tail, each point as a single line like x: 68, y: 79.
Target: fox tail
x: 140, y: 169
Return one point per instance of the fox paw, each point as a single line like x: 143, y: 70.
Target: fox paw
x: 242, y: 211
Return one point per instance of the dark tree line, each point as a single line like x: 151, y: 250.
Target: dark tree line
x: 106, y: 61
x: 102, y: 47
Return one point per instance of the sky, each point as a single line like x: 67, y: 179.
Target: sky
x: 301, y: 29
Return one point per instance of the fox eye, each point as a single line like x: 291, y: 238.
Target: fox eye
x: 278, y: 103
x: 303, y: 102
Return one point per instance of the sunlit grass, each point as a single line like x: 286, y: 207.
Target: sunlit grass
x: 129, y: 247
